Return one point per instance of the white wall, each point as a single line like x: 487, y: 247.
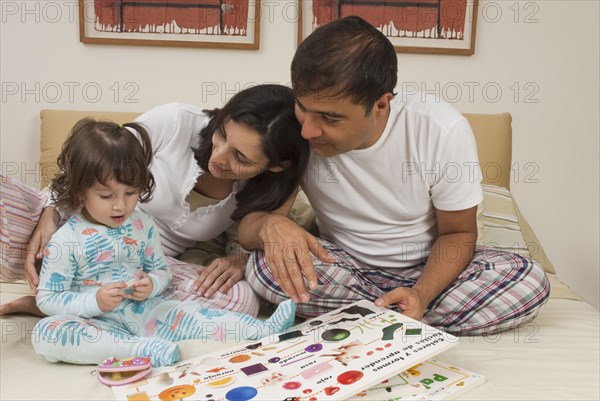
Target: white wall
x: 538, y: 60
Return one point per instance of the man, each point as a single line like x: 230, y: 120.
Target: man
x: 394, y: 188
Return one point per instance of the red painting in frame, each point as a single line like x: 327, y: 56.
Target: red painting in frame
x: 233, y: 24
x: 415, y: 26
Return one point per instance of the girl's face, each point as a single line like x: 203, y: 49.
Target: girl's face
x: 110, y: 204
x: 237, y: 153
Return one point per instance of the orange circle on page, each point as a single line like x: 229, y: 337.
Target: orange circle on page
x: 177, y: 393
x: 222, y: 382
x: 240, y: 358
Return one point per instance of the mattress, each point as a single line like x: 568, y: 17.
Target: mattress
x: 556, y: 357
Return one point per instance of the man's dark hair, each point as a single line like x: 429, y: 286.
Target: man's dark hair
x: 346, y: 58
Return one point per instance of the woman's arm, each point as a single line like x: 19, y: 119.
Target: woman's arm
x: 46, y: 226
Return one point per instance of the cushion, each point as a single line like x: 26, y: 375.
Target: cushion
x: 506, y: 228
x: 480, y: 225
x: 493, y: 134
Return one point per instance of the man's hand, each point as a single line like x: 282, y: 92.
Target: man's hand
x: 287, y: 247
x: 288, y: 250
x: 409, y: 300
x: 46, y: 226
x: 457, y: 231
x: 110, y: 296
x: 221, y: 275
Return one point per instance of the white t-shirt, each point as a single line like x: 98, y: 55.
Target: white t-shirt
x: 174, y: 131
x: 378, y: 203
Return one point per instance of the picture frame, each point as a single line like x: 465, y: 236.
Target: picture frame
x: 415, y: 26
x: 229, y: 24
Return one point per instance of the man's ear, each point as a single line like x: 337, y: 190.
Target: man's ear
x: 281, y: 167
x: 383, y: 103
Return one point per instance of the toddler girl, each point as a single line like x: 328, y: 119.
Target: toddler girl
x: 103, y: 271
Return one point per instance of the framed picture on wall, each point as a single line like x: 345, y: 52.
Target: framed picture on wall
x: 414, y: 26
x: 233, y: 24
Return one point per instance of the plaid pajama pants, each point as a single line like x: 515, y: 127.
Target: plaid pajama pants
x: 496, y: 291
x: 20, y: 209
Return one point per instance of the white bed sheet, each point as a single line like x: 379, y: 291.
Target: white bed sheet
x: 557, y: 357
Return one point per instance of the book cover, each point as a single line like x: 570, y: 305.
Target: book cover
x: 331, y: 357
x: 429, y: 380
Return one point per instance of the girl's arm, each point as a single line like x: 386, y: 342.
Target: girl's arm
x: 54, y: 295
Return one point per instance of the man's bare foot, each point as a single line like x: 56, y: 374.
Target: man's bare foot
x: 24, y: 305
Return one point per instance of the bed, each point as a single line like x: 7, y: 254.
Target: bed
x: 555, y: 357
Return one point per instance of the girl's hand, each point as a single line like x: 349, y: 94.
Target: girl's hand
x: 221, y: 275
x: 141, y: 289
x: 110, y: 296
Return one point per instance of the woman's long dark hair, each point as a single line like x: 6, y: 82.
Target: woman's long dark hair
x: 269, y: 110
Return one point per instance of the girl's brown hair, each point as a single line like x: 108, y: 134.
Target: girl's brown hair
x: 97, y: 151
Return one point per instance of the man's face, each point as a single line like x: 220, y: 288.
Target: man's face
x: 338, y: 125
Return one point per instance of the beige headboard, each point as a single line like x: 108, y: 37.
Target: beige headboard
x: 493, y: 134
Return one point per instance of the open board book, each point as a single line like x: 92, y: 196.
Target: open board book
x: 429, y: 380
x: 331, y: 357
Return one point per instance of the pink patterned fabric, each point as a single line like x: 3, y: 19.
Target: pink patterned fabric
x: 20, y: 209
x: 240, y: 298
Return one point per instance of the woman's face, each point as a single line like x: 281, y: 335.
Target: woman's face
x: 237, y: 153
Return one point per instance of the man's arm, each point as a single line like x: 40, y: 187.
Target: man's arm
x: 288, y: 248
x: 251, y: 227
x: 451, y: 253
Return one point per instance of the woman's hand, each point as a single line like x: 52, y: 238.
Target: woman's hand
x: 110, y: 296
x: 221, y: 275
x: 46, y: 226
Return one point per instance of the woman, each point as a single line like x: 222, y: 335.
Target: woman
x: 210, y: 168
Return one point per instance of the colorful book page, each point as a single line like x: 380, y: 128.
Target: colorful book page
x: 332, y: 357
x: 429, y: 380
